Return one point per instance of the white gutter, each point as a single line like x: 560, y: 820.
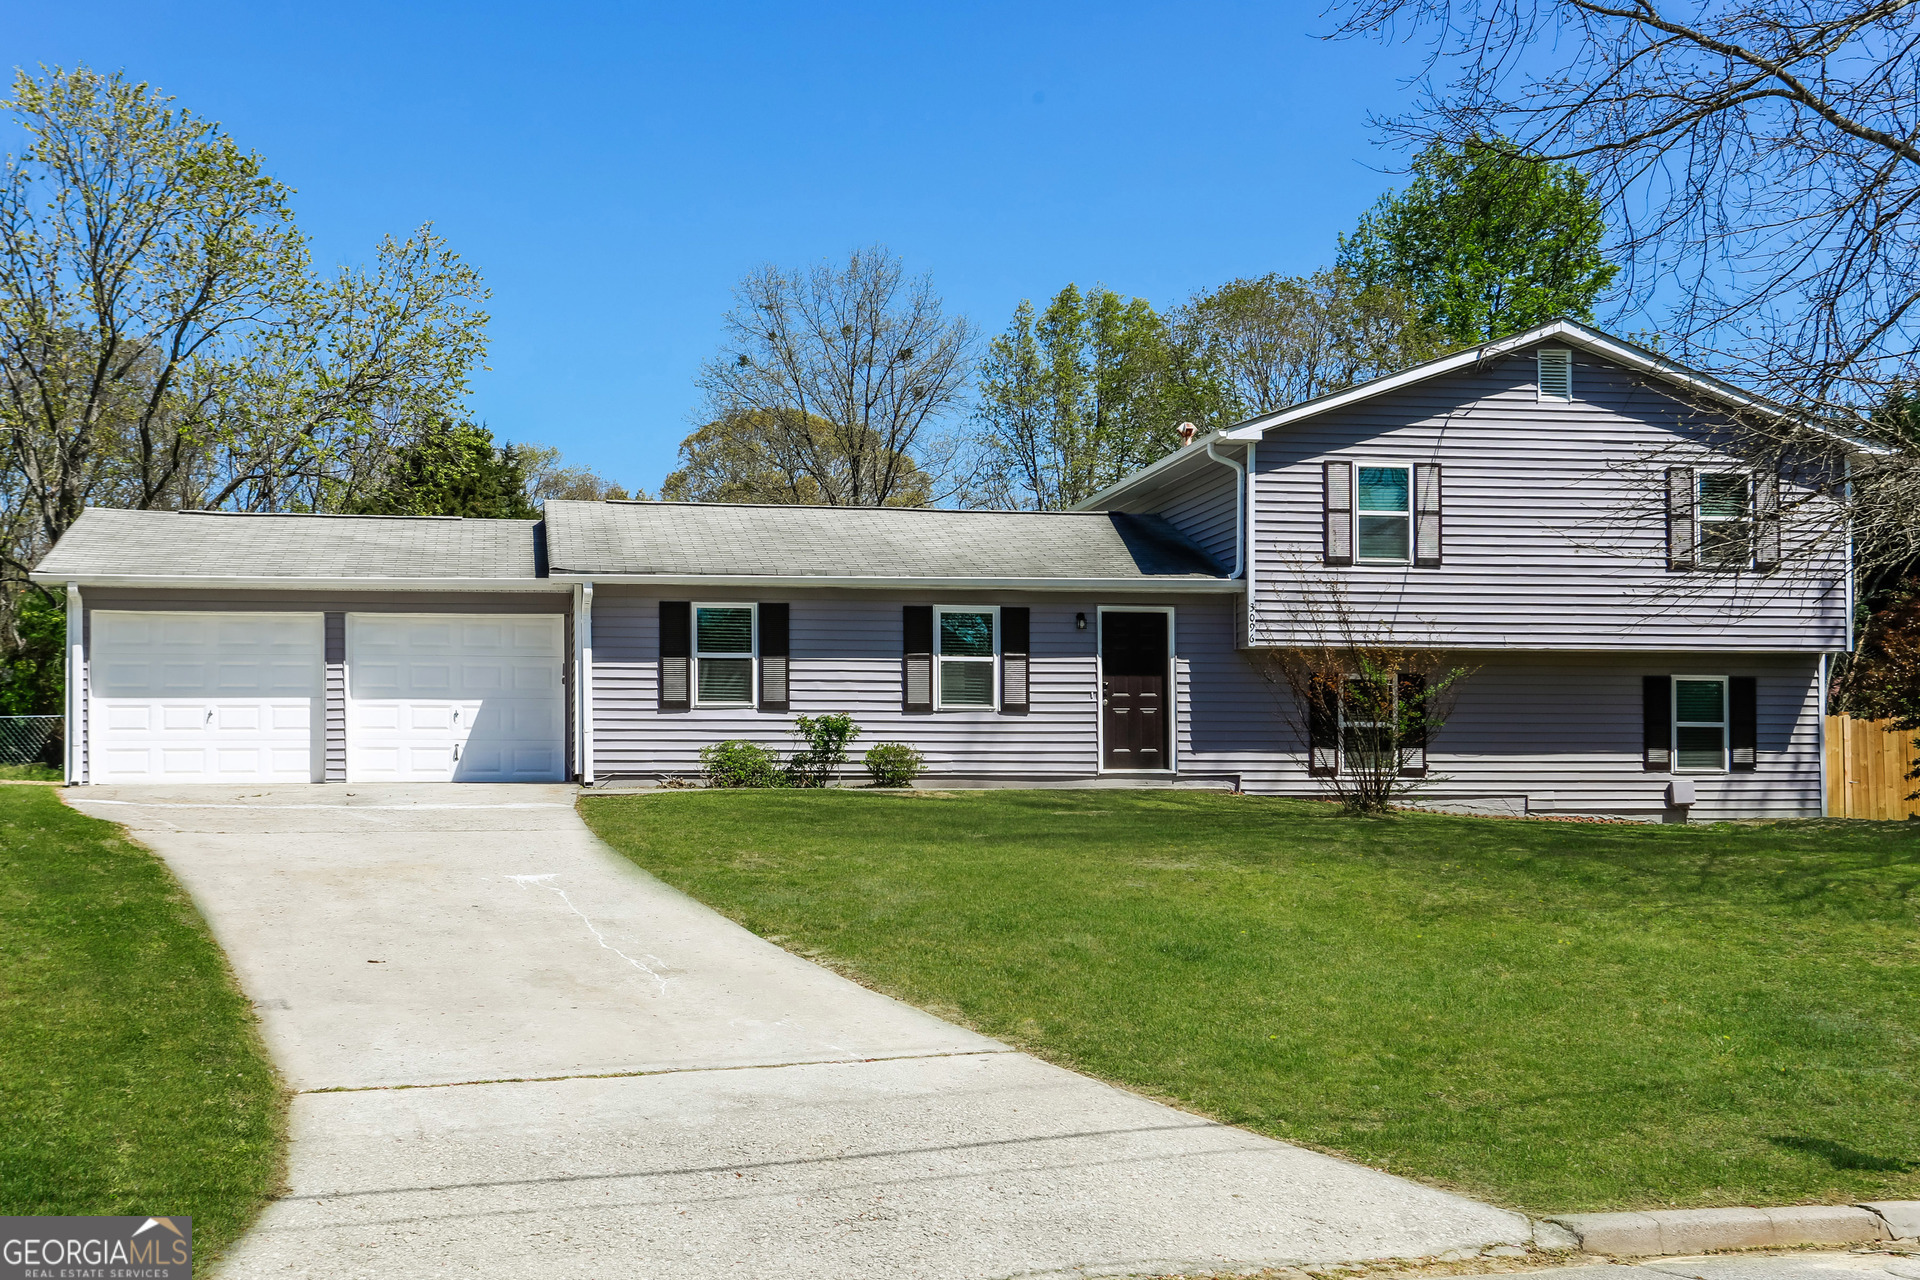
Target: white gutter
x: 1239, y: 508
x: 214, y: 582
x: 76, y: 673
x: 837, y: 583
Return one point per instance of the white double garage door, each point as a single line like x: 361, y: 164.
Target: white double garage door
x: 241, y: 697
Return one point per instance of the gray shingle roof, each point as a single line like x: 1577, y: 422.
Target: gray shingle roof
x: 175, y: 544
x: 684, y: 538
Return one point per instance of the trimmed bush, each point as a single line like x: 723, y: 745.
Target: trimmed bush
x: 738, y: 763
x: 826, y: 737
x: 893, y: 764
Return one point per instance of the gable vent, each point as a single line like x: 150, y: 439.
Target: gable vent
x: 1556, y: 373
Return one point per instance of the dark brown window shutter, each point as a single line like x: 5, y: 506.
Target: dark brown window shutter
x: 676, y: 655
x: 1413, y: 722
x: 1656, y: 724
x: 1337, y: 477
x: 1323, y: 729
x: 916, y: 627
x: 1680, y: 524
x: 1766, y: 510
x: 1015, y: 624
x: 1426, y: 515
x: 773, y: 657
x: 1743, y: 723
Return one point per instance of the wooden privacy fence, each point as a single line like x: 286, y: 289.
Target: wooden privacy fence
x: 1867, y: 765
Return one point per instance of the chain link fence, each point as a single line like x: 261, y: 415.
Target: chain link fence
x: 24, y: 739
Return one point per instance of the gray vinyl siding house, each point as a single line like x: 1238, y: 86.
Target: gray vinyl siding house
x: 1549, y: 512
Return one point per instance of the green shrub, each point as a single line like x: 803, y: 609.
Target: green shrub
x: 893, y: 764
x: 826, y: 739
x: 738, y: 763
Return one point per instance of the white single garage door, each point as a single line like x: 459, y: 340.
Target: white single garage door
x: 204, y: 697
x: 454, y: 698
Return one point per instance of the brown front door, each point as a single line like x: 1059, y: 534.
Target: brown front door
x: 1133, y: 662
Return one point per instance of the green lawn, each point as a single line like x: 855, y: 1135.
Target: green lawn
x: 131, y: 1076
x: 1553, y: 1016
x: 29, y: 773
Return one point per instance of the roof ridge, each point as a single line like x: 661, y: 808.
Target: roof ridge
x: 821, y: 506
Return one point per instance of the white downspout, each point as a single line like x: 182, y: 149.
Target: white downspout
x: 1239, y: 509
x: 583, y: 679
x: 76, y: 673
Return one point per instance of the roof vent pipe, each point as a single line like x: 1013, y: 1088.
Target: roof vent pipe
x: 1187, y: 432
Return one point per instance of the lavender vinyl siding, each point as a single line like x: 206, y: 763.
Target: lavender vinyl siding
x: 846, y: 657
x: 1198, y: 501
x: 1546, y: 732
x: 1555, y: 732
x: 1555, y: 529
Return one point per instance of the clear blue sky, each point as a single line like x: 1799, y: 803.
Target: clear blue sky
x: 613, y: 169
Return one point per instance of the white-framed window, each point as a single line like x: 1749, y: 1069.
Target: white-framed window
x: 1725, y: 506
x: 1555, y: 373
x: 1369, y: 723
x: 724, y: 637
x: 1383, y: 509
x: 1699, y: 724
x: 966, y: 642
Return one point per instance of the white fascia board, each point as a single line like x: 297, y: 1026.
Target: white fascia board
x: 1186, y: 453
x: 1214, y: 585
x: 215, y: 582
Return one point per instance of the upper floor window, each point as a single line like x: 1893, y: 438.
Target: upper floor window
x: 1556, y: 373
x: 1726, y: 520
x: 1385, y: 510
x: 964, y: 651
x: 723, y: 655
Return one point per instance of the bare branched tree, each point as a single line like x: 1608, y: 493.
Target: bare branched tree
x: 861, y: 348
x: 1363, y: 702
x: 1760, y: 160
x: 1278, y: 340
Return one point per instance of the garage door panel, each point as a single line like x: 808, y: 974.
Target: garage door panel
x: 185, y: 697
x: 454, y: 698
x: 130, y: 717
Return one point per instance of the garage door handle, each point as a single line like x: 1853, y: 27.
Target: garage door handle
x: 209, y: 715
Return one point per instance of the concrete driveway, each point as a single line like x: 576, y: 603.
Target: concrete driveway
x: 515, y: 1054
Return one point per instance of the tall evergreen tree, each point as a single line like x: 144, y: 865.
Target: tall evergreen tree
x: 453, y: 469
x: 1486, y: 242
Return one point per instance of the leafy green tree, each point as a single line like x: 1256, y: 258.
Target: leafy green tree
x: 1486, y: 242
x: 1276, y: 340
x: 782, y: 458
x: 452, y: 469
x: 1093, y: 387
x: 33, y: 678
x: 164, y: 339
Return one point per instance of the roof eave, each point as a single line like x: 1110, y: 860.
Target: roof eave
x: 896, y: 582
x: 1172, y: 462
x: 284, y: 583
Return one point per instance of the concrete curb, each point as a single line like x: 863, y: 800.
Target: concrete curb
x: 1705, y: 1230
